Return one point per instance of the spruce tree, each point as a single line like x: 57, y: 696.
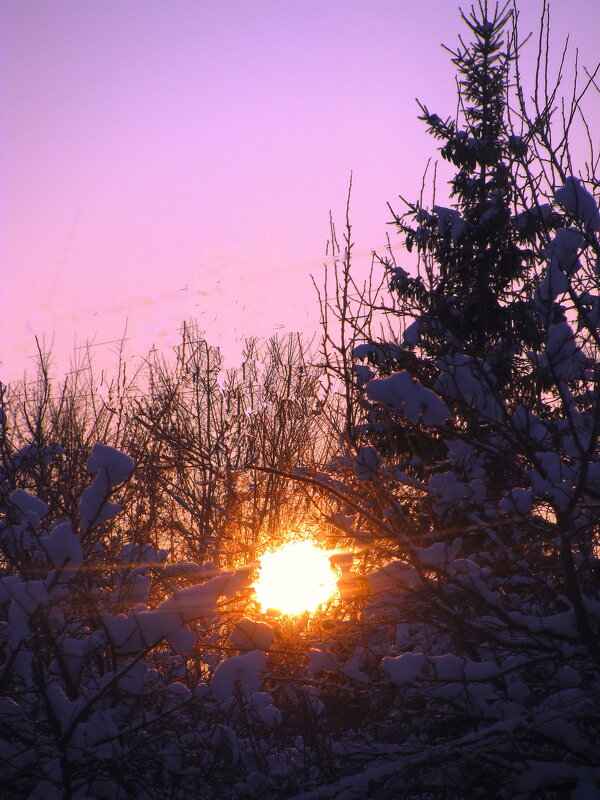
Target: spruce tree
x: 472, y: 294
x: 487, y: 414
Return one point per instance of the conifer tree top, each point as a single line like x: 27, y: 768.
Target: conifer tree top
x: 473, y: 248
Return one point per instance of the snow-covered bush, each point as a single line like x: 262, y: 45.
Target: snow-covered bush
x: 124, y: 674
x: 102, y: 693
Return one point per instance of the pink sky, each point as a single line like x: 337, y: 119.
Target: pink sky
x: 163, y: 160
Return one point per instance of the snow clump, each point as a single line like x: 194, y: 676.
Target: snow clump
x: 403, y: 393
x: 576, y: 199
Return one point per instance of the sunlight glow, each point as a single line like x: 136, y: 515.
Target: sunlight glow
x: 294, y: 579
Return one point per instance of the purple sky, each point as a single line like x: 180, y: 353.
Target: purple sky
x: 168, y: 159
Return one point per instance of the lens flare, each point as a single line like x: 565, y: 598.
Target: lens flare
x: 295, y: 579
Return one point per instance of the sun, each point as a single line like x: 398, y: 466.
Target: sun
x: 294, y: 579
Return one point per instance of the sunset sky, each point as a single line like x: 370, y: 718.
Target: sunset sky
x: 168, y: 159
